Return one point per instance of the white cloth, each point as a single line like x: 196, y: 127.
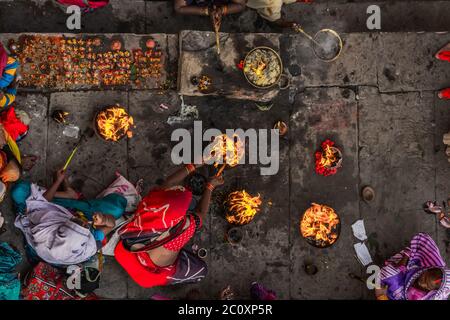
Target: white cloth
x: 49, y: 230
x: 269, y: 9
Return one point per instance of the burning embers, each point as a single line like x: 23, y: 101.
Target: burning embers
x: 320, y: 226
x: 226, y: 151
x: 329, y: 159
x: 241, y: 207
x: 113, y: 123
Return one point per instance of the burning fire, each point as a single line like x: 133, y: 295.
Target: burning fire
x: 260, y: 68
x: 226, y: 151
x: 113, y: 123
x: 242, y: 207
x: 327, y: 159
x: 319, y: 225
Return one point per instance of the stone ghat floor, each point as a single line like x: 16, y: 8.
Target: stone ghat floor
x: 149, y: 16
x: 378, y: 102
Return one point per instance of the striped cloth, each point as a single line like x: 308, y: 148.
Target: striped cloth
x: 423, y: 255
x: 9, y: 72
x: 8, y: 97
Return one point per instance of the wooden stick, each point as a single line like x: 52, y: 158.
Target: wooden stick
x: 221, y: 170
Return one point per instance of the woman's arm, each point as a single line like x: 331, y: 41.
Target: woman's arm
x: 235, y: 6
x: 50, y: 193
x: 178, y: 176
x: 203, y: 206
x: 181, y: 7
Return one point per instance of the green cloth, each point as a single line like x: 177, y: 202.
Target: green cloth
x: 9, y: 282
x: 113, y: 204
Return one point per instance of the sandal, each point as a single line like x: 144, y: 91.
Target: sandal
x: 444, y: 53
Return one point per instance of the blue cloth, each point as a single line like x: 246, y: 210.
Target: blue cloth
x: 113, y: 204
x: 6, y: 78
x: 9, y: 282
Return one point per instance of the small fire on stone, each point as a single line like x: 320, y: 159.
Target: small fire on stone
x: 241, y: 207
x: 329, y: 159
x: 113, y: 123
x: 320, y: 225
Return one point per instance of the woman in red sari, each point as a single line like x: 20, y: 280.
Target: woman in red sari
x: 151, y: 245
x: 444, y: 55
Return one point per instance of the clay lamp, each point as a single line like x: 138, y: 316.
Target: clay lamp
x: 282, y: 127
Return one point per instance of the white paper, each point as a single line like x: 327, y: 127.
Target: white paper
x: 359, y: 231
x: 363, y: 254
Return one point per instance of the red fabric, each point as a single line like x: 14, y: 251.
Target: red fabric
x: 12, y: 124
x: 179, y: 242
x: 81, y: 4
x: 142, y: 269
x: 3, y: 58
x: 444, y: 55
x: 445, y: 94
x: 48, y: 283
x: 159, y: 211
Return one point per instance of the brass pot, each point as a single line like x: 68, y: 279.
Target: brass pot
x: 279, y: 77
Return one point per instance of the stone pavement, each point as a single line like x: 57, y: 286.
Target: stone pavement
x: 139, y: 16
x: 377, y: 101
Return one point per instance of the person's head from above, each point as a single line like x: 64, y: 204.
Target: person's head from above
x: 430, y: 280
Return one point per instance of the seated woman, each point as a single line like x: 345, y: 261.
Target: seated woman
x: 151, y: 249
x: 9, y: 158
x: 8, y: 68
x: 444, y: 55
x: 270, y: 10
x: 416, y: 273
x: 206, y: 7
x: 60, y: 228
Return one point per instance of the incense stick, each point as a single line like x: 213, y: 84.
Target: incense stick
x: 221, y: 170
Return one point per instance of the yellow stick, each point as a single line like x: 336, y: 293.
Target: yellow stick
x: 70, y: 158
x: 221, y: 170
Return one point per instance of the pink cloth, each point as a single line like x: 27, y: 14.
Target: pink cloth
x: 3, y: 58
x: 85, y: 4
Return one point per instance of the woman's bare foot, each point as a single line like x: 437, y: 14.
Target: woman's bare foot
x: 432, y: 207
x: 28, y: 162
x: 445, y: 48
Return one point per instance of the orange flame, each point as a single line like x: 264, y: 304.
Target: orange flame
x: 319, y: 224
x: 328, y: 157
x: 260, y: 68
x: 226, y: 150
x: 113, y: 123
x: 242, y: 207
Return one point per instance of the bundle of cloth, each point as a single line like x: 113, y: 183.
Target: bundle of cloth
x: 67, y: 231
x: 417, y: 273
x: 9, y: 281
x: 51, y: 231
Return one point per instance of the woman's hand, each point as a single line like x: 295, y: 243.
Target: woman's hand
x: 60, y: 175
x: 216, y: 181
